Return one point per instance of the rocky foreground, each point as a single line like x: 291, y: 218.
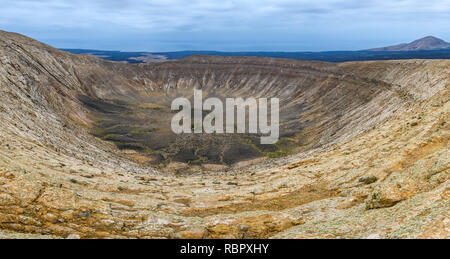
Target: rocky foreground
x: 374, y: 164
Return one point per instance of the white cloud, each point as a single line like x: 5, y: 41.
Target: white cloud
x: 266, y: 17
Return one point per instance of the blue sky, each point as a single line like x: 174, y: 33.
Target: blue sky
x: 227, y: 25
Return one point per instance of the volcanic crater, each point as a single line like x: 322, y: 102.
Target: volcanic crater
x: 316, y: 99
x: 86, y: 148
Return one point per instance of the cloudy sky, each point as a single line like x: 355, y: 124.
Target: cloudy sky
x: 227, y: 25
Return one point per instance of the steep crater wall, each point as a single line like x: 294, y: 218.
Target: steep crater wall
x: 318, y: 101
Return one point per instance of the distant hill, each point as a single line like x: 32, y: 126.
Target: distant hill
x: 427, y: 43
x: 329, y: 56
x: 426, y: 48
